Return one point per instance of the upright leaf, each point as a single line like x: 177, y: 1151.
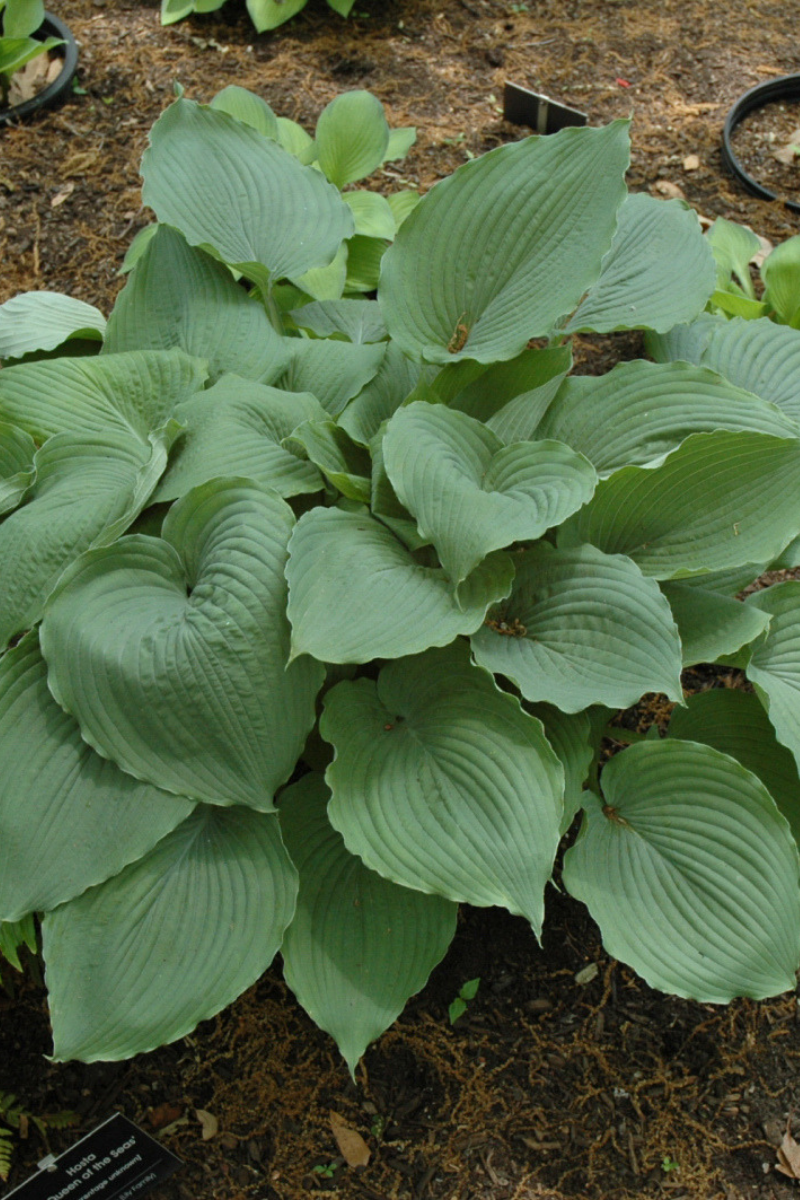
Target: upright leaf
x: 498, y: 252
x: 352, y: 137
x: 442, y: 783
x: 228, y: 188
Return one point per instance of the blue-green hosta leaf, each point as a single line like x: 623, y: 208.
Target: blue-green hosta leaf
x: 400, y: 142
x: 441, y: 782
x: 358, y: 945
x: 711, y: 625
x: 295, y: 139
x: 230, y: 189
x: 17, y: 450
x: 269, y: 14
x: 570, y: 735
x: 246, y: 106
x: 640, y: 411
x: 134, y: 392
x: 16, y: 52
x: 498, y: 252
x: 88, y: 489
x: 68, y: 818
x: 352, y: 137
x: 735, y: 722
x: 356, y: 593
x: 691, y: 873
x: 385, y: 505
x: 720, y: 500
x: 733, y: 246
x: 364, y: 258
x: 402, y: 204
x: 580, y: 628
x: 334, y: 372
x: 774, y: 666
x: 781, y: 275
x: 237, y: 427
x: 44, y: 321
x: 358, y: 321
x: 393, y: 383
x: 22, y: 18
x: 343, y: 463
x: 179, y: 296
x: 172, y: 939
x: 172, y: 654
x: 325, y: 283
x: 470, y: 494
x: 511, y: 397
x: 658, y: 272
x: 759, y: 356
x: 371, y: 213
x: 15, y: 934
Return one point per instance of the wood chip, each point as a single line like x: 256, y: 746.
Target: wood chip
x: 352, y: 1146
x: 209, y: 1123
x: 691, y: 162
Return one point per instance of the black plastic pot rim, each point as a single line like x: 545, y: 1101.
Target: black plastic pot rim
x: 52, y: 26
x: 787, y: 87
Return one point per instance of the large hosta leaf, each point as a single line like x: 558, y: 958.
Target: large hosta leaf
x: 512, y: 396
x: 134, y: 392
x: 735, y: 722
x: 442, y: 783
x: 172, y: 939
x: 17, y: 450
x: 720, y: 500
x: 179, y: 296
x: 691, y: 873
x: 88, y: 489
x: 230, y: 189
x: 359, y: 321
x: 394, y: 381
x: 471, y: 494
x: 774, y: 665
x: 172, y: 654
x: 580, y: 628
x: 236, y: 428
x: 640, y: 411
x: 759, y: 356
x: 68, y: 818
x: 44, y: 321
x: 358, y: 945
x: 498, y: 252
x: 356, y: 593
x: 658, y: 272
x: 570, y: 735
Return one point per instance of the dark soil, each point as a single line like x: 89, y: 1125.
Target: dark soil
x: 551, y: 1086
x: 764, y: 143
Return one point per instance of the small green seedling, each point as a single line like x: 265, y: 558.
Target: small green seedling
x: 326, y: 1170
x: 669, y: 1164
x: 459, y: 1005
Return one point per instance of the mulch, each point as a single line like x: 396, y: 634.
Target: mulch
x: 567, y: 1078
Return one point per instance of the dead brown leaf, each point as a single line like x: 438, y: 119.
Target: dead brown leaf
x: 352, y: 1146
x: 789, y: 152
x: 209, y: 1123
x: 663, y: 187
x: 789, y: 1157
x: 62, y: 194
x: 163, y: 1114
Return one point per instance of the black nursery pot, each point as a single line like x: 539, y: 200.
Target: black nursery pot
x: 56, y: 91
x: 787, y: 87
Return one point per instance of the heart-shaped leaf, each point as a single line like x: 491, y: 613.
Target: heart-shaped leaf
x: 352, y: 137
x: 581, y: 628
x: 358, y: 945
x: 471, y: 494
x: 691, y: 873
x: 172, y: 939
x: 442, y: 783
x: 346, y: 571
x: 172, y: 654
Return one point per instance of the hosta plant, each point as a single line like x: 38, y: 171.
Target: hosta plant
x: 19, y: 21
x: 734, y: 248
x: 265, y: 14
x: 315, y: 618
